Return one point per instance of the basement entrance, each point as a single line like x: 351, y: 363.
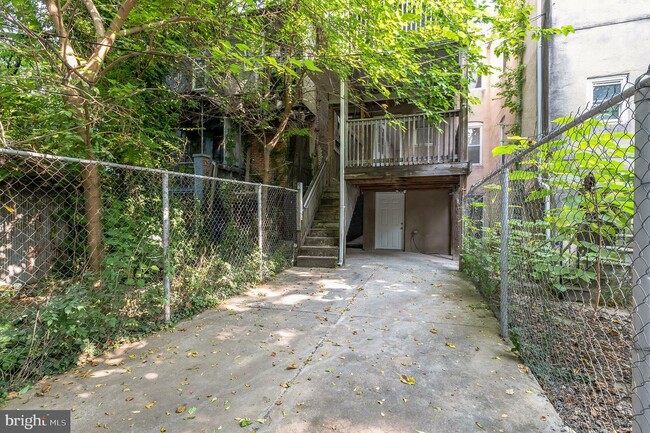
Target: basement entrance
x: 389, y: 221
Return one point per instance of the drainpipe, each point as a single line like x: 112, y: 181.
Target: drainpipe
x: 342, y: 138
x: 540, y: 108
x: 540, y: 75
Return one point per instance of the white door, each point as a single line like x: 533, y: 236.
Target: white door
x: 389, y: 221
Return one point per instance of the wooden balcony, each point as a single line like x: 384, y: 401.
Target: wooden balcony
x: 404, y: 147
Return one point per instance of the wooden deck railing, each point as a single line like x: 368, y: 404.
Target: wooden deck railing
x: 403, y: 140
x: 311, y: 200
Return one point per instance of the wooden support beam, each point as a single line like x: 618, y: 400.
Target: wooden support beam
x: 428, y: 170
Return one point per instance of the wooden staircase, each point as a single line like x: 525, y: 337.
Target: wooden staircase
x: 320, y: 248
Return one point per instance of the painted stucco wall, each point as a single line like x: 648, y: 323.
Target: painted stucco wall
x: 428, y: 213
x: 369, y: 220
x: 611, y: 38
x: 529, y: 100
x: 489, y: 113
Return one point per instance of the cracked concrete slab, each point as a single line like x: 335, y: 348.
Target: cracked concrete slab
x: 392, y: 342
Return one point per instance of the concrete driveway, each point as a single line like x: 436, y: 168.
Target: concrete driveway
x: 393, y: 342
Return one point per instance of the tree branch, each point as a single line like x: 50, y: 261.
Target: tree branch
x: 97, y: 58
x: 129, y: 56
x: 66, y: 52
x: 286, y: 114
x: 97, y: 19
x: 3, y: 141
x: 157, y: 25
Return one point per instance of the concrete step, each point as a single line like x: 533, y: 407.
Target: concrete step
x: 318, y: 251
x: 330, y: 195
x: 324, y: 233
x: 329, y: 211
x: 326, y: 219
x: 332, y: 214
x: 328, y: 208
x: 325, y: 241
x: 328, y: 205
x: 325, y: 224
x: 317, y: 261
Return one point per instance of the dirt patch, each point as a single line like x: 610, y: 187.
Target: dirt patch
x: 580, y: 357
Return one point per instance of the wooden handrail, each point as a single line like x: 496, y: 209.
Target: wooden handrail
x: 312, y: 200
x: 314, y: 185
x: 402, y: 116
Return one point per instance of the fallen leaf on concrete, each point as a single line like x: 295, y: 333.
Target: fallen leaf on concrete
x: 479, y: 425
x: 407, y: 380
x: 433, y: 331
x: 449, y: 344
x: 292, y: 366
x: 181, y: 409
x: 150, y: 405
x: 244, y: 422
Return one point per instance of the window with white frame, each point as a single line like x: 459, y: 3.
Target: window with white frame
x: 603, y: 88
x: 475, y: 81
x: 474, y: 142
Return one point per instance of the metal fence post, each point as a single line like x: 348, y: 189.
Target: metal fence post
x: 299, y: 215
x: 260, y: 236
x: 504, y: 253
x: 165, y: 246
x: 641, y: 265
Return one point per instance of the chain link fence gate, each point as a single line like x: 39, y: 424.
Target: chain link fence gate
x: 558, y: 241
x: 173, y: 244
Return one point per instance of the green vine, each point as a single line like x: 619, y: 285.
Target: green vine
x: 513, y: 33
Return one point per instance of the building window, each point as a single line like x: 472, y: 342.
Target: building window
x: 603, y: 88
x: 474, y: 141
x: 475, y: 81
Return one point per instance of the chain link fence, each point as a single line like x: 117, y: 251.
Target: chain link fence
x: 558, y: 241
x: 170, y: 245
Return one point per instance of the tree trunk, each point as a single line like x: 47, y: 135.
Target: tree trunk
x: 247, y: 173
x: 89, y: 181
x: 267, y: 174
x: 93, y: 209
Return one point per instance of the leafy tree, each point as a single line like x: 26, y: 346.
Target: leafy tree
x: 84, y: 67
x: 87, y: 77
